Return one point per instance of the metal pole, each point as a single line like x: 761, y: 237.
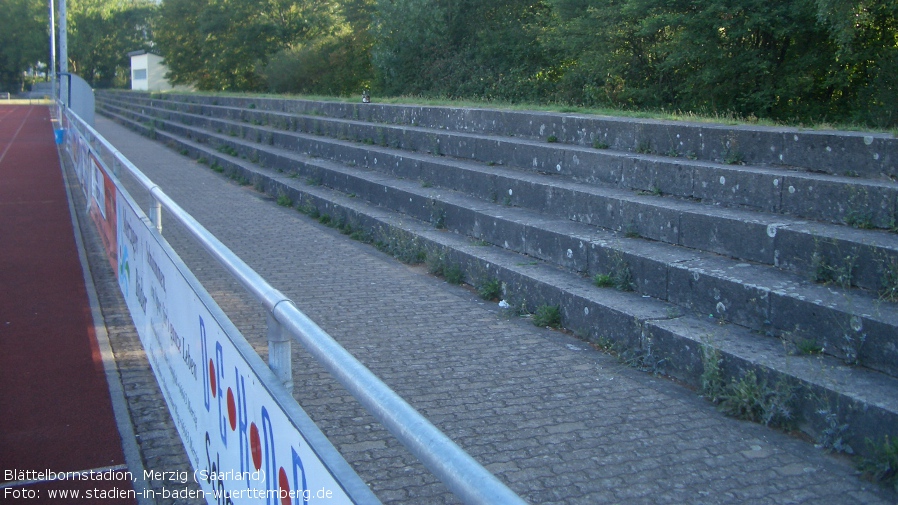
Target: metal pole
x: 52, y: 69
x: 63, y: 39
x: 155, y: 212
x: 279, y: 355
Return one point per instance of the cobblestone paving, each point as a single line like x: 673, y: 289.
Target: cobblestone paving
x: 556, y: 420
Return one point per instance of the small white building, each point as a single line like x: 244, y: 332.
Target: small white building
x: 148, y: 72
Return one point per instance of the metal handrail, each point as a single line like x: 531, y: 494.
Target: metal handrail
x: 464, y: 476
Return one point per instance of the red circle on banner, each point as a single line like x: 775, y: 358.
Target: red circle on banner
x: 212, y: 378
x: 255, y: 445
x: 232, y: 410
x: 284, y: 484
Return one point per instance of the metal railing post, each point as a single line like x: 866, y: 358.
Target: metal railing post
x: 156, y: 213
x: 279, y: 352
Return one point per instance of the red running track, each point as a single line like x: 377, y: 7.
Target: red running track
x: 55, y: 408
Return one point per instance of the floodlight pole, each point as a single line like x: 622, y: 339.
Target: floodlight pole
x: 63, y: 39
x: 52, y: 69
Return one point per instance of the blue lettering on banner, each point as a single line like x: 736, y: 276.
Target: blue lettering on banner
x: 269, y: 457
x: 219, y: 375
x: 130, y: 234
x: 213, y: 478
x: 242, y: 425
x: 259, y: 444
x: 140, y: 294
x: 155, y: 269
x: 298, y: 477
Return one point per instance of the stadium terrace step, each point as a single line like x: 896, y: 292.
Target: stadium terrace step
x: 802, y: 247
x: 703, y: 276
x: 811, y: 194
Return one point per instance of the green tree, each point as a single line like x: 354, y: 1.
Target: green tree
x: 753, y: 58
x: 749, y: 57
x: 865, y: 34
x: 460, y: 48
x: 336, y: 62
x: 102, y: 33
x: 224, y: 44
x: 24, y: 41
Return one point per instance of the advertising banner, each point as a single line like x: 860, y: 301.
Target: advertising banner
x: 243, y: 447
x: 102, y: 205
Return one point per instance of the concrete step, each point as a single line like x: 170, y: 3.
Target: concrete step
x: 652, y: 334
x: 780, y: 189
x: 852, y: 325
x: 862, y: 154
x: 860, y: 258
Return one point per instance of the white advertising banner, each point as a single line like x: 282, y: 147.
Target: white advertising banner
x: 242, y: 445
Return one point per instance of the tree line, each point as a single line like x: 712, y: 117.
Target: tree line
x: 100, y: 34
x: 790, y: 60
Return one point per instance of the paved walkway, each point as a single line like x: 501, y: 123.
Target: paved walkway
x: 58, y: 432
x: 556, y: 420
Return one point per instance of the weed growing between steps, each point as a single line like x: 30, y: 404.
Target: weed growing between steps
x: 859, y: 214
x: 603, y: 281
x: 832, y: 436
x: 753, y: 399
x: 734, y: 158
x: 346, y: 226
x: 490, y: 289
x: 403, y: 246
x: 226, y: 149
x: 259, y: 183
x: 750, y: 398
x: 284, y: 200
x: 853, y: 342
x: 644, y: 147
x: 631, y: 231
x: 438, y: 264
x: 547, y: 316
x: 712, y: 376
x: 889, y: 290
x: 882, y: 466
x: 437, y: 216
x: 309, y: 209
x: 860, y: 219
x: 643, y: 358
x: 825, y: 272
x: 807, y: 346
x: 620, y: 277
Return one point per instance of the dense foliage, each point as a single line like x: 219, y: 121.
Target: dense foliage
x: 790, y: 60
x: 101, y: 33
x: 222, y: 44
x: 24, y: 41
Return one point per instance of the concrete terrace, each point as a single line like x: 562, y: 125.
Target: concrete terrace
x: 540, y: 210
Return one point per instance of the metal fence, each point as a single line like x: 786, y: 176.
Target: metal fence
x: 463, y: 475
